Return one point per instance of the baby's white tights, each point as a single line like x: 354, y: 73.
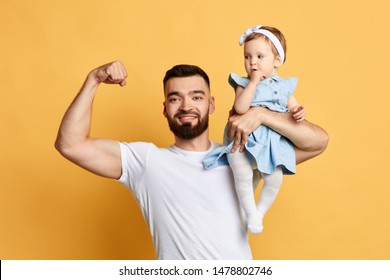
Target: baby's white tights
x: 271, y: 187
x: 243, y: 176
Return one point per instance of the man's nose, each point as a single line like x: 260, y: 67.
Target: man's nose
x: 185, y: 104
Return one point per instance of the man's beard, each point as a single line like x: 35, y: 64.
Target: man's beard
x: 186, y: 130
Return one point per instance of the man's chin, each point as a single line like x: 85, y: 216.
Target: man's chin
x: 186, y: 124
x: 188, y: 130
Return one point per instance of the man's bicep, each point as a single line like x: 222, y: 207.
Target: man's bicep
x: 99, y: 156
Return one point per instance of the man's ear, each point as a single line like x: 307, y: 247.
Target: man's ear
x: 211, y: 105
x: 164, y: 110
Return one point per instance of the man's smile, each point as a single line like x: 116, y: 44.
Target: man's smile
x: 187, y: 117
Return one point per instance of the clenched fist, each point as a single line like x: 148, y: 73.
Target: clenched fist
x: 110, y: 73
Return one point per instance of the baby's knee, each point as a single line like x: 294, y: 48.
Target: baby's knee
x: 273, y: 179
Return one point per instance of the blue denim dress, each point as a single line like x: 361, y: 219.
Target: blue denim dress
x: 265, y: 148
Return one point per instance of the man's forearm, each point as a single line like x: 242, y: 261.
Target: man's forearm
x: 304, y: 135
x: 309, y: 139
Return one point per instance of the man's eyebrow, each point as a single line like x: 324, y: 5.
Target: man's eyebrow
x: 191, y: 92
x: 172, y: 93
x: 197, y: 91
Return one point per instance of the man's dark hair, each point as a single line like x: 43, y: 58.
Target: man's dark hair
x: 185, y: 70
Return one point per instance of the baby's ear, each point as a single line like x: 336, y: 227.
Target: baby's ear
x: 278, y: 61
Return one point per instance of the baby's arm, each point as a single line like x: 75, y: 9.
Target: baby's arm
x: 298, y: 111
x: 244, y: 96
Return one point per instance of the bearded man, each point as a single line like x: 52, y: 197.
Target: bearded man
x: 192, y: 213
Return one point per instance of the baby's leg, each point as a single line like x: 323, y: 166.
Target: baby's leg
x: 243, y: 174
x: 256, y: 178
x: 272, y: 183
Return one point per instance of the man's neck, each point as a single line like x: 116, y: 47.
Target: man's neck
x: 198, y: 144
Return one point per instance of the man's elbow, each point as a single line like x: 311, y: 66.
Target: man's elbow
x: 323, y: 140
x: 318, y: 146
x: 60, y: 147
x: 63, y: 148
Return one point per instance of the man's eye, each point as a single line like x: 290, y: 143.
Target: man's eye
x: 198, y: 98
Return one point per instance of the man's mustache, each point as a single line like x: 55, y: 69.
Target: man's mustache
x: 182, y: 113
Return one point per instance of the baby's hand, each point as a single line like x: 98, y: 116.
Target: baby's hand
x: 257, y: 76
x: 298, y: 113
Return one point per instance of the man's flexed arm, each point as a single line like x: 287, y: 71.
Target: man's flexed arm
x: 100, y: 156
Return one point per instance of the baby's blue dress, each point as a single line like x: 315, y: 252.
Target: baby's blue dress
x: 265, y: 148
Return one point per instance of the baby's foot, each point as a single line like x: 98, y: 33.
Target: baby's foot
x: 255, y: 222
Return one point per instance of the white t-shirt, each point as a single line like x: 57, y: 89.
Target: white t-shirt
x: 192, y: 213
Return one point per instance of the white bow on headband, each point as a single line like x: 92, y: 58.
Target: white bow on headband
x: 268, y: 34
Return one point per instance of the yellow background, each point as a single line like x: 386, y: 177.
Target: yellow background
x: 336, y: 207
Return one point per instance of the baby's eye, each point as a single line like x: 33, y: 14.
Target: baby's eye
x: 260, y: 56
x: 246, y: 57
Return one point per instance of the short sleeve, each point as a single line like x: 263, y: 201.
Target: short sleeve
x: 291, y: 84
x: 235, y: 80
x: 134, y: 160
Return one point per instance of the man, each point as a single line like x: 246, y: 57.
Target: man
x: 192, y: 213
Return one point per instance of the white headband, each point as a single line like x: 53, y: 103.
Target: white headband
x: 268, y: 34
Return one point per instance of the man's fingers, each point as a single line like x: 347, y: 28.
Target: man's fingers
x: 237, y: 140
x: 123, y: 83
x: 116, y: 73
x: 240, y: 137
x: 244, y: 138
x: 232, y: 132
